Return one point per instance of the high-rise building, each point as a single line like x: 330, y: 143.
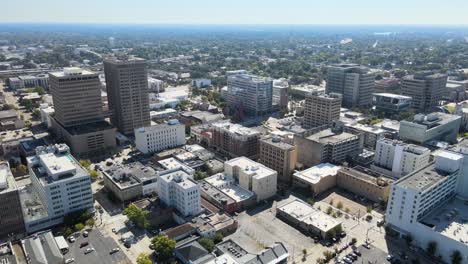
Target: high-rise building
x: 426, y: 88
x: 353, y: 81
x: 127, y: 92
x: 321, y: 109
x: 251, y: 93
x: 79, y: 118
x: 280, y: 94
x: 11, y: 214
x: 279, y: 156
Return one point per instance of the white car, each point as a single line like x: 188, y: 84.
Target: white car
x: 85, y: 233
x: 114, y: 250
x: 89, y: 250
x: 70, y: 260
x: 71, y: 239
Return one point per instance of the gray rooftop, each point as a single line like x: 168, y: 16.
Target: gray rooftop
x: 275, y: 141
x: 327, y: 136
x: 130, y: 174
x: 42, y: 249
x: 423, y: 179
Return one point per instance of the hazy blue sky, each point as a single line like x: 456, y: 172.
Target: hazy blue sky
x: 237, y: 11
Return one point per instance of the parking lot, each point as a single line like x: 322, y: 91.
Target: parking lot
x: 102, y: 247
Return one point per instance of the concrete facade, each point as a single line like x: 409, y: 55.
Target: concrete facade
x: 426, y: 89
x: 160, y: 137
x: 435, y: 126
x: 279, y: 156
x: 321, y: 109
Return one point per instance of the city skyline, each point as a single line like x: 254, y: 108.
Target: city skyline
x: 334, y: 12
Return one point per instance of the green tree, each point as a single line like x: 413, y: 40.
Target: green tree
x: 218, y: 237
x: 137, y: 216
x: 207, y: 243
x: 456, y: 257
x: 38, y: 89
x: 353, y: 240
x: 36, y: 113
x: 200, y: 175
x: 143, y: 259
x: 339, y: 205
x: 329, y: 210
x: 431, y: 248
x: 369, y: 209
x: 93, y: 174
x: 90, y: 222
x: 163, y: 247
x: 79, y: 227
x: 85, y: 163
x: 310, y: 201
x: 21, y: 169
x: 66, y: 231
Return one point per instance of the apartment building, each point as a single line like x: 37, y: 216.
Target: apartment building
x: 160, y: 137
x: 354, y: 82
x: 78, y: 117
x: 398, y: 159
x: 235, y: 140
x: 251, y: 93
x: 127, y: 92
x: 426, y: 88
x: 431, y: 127
x: 321, y: 109
x: 61, y: 183
x: 11, y: 214
x: 178, y: 190
x: 252, y: 176
x: 279, y: 156
x: 326, y: 145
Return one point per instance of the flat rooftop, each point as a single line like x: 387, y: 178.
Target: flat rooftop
x: 130, y: 174
x: 72, y: 71
x: 7, y: 181
x: 249, y: 166
x: 307, y: 214
x: 180, y: 178
x: 368, y: 175
x: 31, y: 204
x: 394, y: 96
x: 173, y: 164
x: 236, y: 129
x: 368, y: 128
x: 327, y: 136
x: 316, y: 173
x: 423, y: 179
x: 229, y: 187
x: 277, y: 142
x: 450, y: 220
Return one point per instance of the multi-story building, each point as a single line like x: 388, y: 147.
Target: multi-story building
x: 11, y: 215
x: 316, y: 179
x: 78, y: 116
x: 387, y: 85
x: 252, y: 176
x: 426, y: 88
x: 353, y: 81
x: 369, y: 134
x: 279, y: 156
x: 178, y: 190
x: 391, y: 103
x: 61, y: 183
x: 398, y: 159
x: 280, y: 94
x: 235, y: 140
x: 326, y: 145
x: 435, y: 126
x: 160, y: 137
x: 251, y: 93
x: 428, y: 205
x: 321, y: 109
x: 127, y: 92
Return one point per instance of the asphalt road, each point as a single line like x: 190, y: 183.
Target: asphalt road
x: 102, y: 245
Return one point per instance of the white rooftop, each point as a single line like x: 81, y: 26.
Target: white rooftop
x: 315, y: 174
x: 249, y: 166
x: 236, y: 128
x: 57, y: 165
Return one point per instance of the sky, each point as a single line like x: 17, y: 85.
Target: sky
x: 236, y: 12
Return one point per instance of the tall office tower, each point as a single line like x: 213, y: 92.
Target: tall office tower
x: 252, y: 93
x: 321, y: 109
x: 426, y: 88
x: 127, y: 92
x: 11, y: 215
x: 353, y: 81
x: 79, y: 118
x: 280, y: 94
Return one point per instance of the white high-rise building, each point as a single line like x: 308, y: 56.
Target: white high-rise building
x: 176, y: 189
x: 252, y: 176
x: 398, y: 159
x: 159, y: 137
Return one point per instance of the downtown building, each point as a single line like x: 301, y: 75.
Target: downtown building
x: 279, y: 156
x: 251, y: 93
x: 426, y: 88
x: 127, y: 92
x: 280, y: 97
x: 160, y: 137
x: 235, y: 140
x: 321, y: 109
x: 78, y: 117
x: 354, y: 82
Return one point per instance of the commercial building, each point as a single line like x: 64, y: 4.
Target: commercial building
x: 46, y: 114
x: 391, y: 103
x: 61, y: 183
x: 252, y: 176
x: 200, y: 83
x: 127, y: 92
x: 155, y: 85
x: 279, y: 156
x: 230, y: 252
x: 280, y: 94
x: 428, y: 204
x: 251, y: 93
x: 462, y: 111
x: 354, y: 82
x: 11, y: 215
x: 321, y: 109
x: 454, y: 92
x: 326, y: 145
x: 317, y: 179
x: 131, y: 181
x: 178, y: 190
x: 387, y: 85
x: 398, y: 159
x: 369, y: 134
x: 42, y: 248
x: 235, y: 140
x: 159, y: 137
x: 435, y: 126
x: 308, y: 219
x: 78, y: 116
x: 426, y: 88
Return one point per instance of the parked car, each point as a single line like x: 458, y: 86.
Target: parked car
x: 328, y: 243
x: 114, y: 250
x: 70, y: 260
x: 357, y: 252
x: 85, y: 234
x: 84, y: 244
x: 366, y: 245
x: 381, y: 222
x: 71, y: 239
x: 89, y: 250
x: 127, y: 244
x: 342, y: 234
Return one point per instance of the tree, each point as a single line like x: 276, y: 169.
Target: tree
x: 85, y: 163
x: 218, y: 237
x: 207, y: 243
x: 456, y: 257
x: 38, y: 89
x: 328, y: 255
x: 90, y: 222
x: 329, y: 210
x: 431, y: 248
x: 137, y: 216
x: 163, y: 247
x: 353, y: 240
x: 143, y: 259
x: 79, y: 227
x: 93, y: 174
x: 310, y: 201
x: 331, y: 202
x: 28, y: 104
x: 36, y: 113
x: 346, y: 210
x: 339, y: 205
x: 21, y: 169
x: 66, y: 231
x: 200, y: 175
x: 369, y: 209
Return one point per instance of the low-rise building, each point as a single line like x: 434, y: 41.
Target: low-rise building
x: 200, y: 83
x: 160, y: 137
x: 391, y: 103
x: 279, y: 156
x: 42, y: 248
x: 232, y: 253
x: 435, y: 126
x: 317, y: 179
